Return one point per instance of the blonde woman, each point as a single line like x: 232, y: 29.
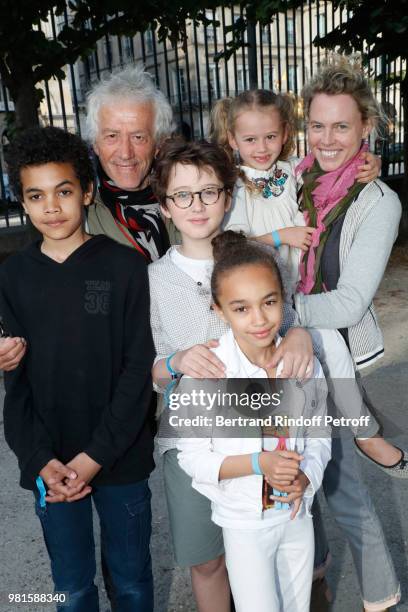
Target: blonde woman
x: 356, y: 226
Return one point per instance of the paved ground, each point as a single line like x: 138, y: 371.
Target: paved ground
x: 24, y: 562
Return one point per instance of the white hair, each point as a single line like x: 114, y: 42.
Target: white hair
x: 133, y: 84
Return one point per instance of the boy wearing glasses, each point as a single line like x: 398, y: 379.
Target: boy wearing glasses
x: 76, y: 408
x: 193, y: 183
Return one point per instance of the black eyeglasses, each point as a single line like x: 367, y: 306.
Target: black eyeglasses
x: 208, y: 196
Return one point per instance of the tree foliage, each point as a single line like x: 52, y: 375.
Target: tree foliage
x: 382, y: 24
x: 28, y: 56
x: 381, y: 28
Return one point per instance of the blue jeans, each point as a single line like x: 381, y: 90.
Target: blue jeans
x: 125, y: 519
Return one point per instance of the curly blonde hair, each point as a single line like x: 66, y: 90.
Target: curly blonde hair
x: 225, y: 112
x: 344, y: 75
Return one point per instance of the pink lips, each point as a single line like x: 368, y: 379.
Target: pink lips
x: 54, y: 223
x: 262, y: 160
x: 261, y: 334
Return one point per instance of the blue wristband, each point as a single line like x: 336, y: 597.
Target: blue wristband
x: 256, y: 468
x: 170, y: 370
x: 276, y: 239
x: 41, y: 489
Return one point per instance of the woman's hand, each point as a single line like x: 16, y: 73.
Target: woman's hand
x: 370, y: 168
x: 296, y: 353
x: 199, y: 361
x: 299, y: 237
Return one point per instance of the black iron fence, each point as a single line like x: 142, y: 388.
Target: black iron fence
x: 279, y: 56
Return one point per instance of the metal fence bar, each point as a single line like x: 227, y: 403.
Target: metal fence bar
x: 61, y: 91
x: 189, y: 92
x: 224, y: 39
x: 279, y: 56
x: 235, y: 63
x: 156, y: 64
x: 198, y: 77
x: 178, y: 76
x: 216, y: 64
x: 166, y: 66
x: 73, y: 87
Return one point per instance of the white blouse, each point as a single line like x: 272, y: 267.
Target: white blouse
x: 275, y: 207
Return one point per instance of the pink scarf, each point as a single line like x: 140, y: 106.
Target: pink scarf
x: 331, y: 188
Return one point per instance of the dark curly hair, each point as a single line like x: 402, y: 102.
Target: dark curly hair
x: 38, y: 146
x: 201, y: 154
x: 232, y: 250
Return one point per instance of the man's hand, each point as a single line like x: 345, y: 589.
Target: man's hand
x: 280, y: 468
x: 296, y: 352
x: 295, y: 493
x: 56, y: 475
x: 12, y: 350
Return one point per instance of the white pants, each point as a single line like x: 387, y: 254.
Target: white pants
x: 270, y: 569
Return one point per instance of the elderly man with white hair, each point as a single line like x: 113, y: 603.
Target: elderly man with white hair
x: 127, y: 119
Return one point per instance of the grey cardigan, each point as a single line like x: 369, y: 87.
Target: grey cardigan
x: 368, y: 234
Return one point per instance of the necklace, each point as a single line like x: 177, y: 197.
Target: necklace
x: 271, y: 186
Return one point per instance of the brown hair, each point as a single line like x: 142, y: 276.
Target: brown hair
x: 226, y: 111
x: 233, y: 250
x: 201, y: 154
x: 344, y: 75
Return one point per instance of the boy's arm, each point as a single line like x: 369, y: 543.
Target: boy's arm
x: 23, y: 428
x: 124, y: 417
x: 198, y: 360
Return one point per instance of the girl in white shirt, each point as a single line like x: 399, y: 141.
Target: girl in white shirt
x: 269, y: 550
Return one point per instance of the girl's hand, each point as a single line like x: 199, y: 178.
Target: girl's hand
x: 295, y: 493
x: 299, y: 237
x: 370, y: 168
x: 280, y: 468
x: 199, y: 362
x: 296, y: 352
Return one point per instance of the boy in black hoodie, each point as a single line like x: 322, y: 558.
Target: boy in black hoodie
x: 76, y: 408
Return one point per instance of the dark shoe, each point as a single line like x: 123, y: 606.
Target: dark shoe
x: 321, y: 596
x: 398, y: 470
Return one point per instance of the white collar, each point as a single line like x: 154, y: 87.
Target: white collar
x: 238, y: 364
x: 253, y: 173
